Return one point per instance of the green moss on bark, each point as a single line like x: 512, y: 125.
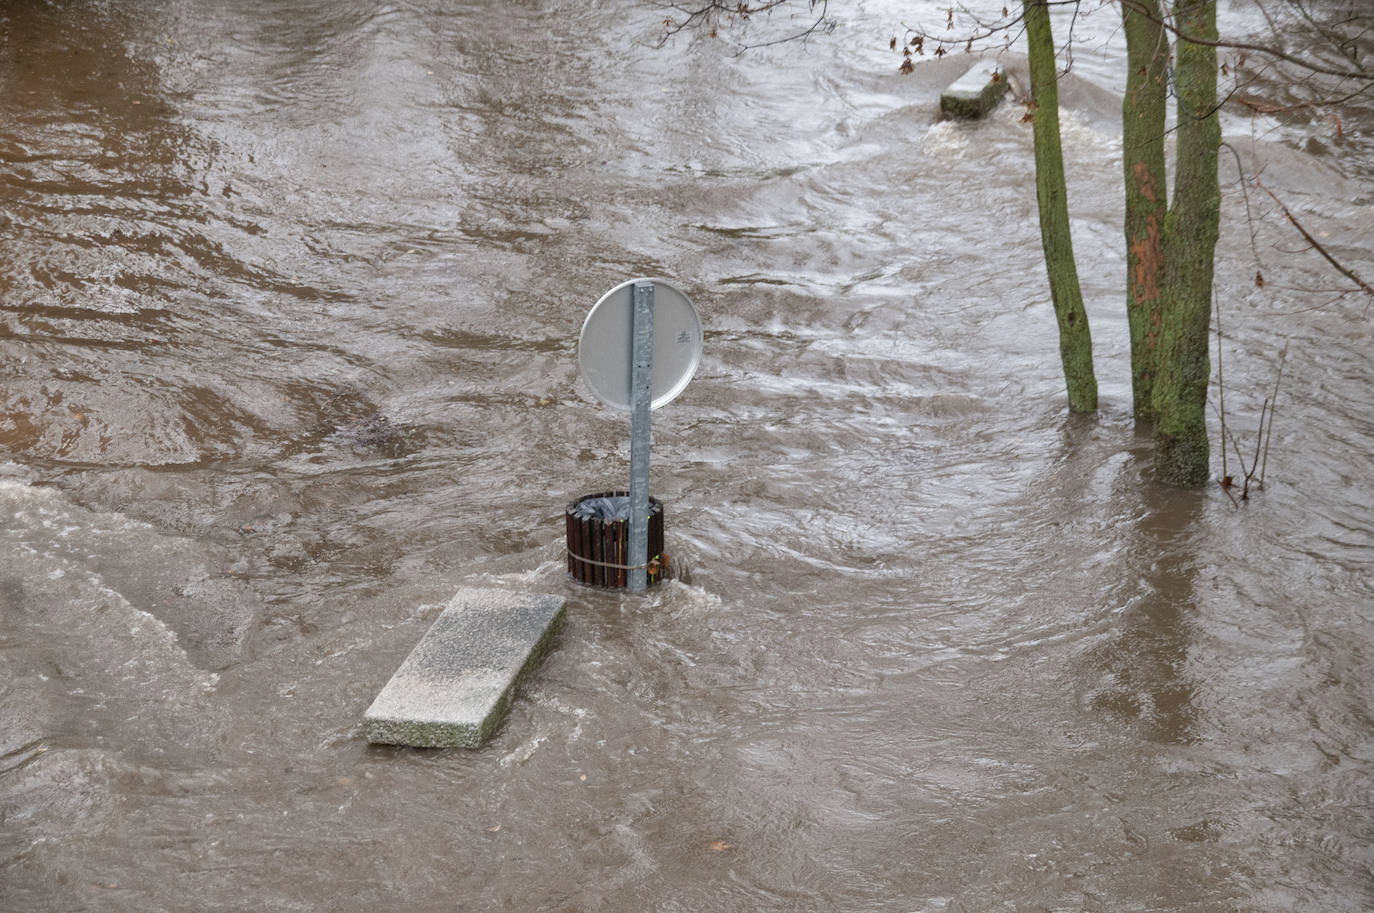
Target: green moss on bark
x: 1190, y: 236
x: 1142, y: 159
x: 1075, y: 339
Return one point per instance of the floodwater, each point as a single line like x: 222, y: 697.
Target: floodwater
x: 289, y: 299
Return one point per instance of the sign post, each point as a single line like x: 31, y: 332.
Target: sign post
x: 639, y: 347
x: 641, y: 399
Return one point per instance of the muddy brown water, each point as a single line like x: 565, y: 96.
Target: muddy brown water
x: 289, y: 297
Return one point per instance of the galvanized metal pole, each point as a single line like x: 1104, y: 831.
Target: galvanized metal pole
x: 641, y: 398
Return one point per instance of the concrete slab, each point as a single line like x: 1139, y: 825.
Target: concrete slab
x: 454, y: 687
x: 973, y: 94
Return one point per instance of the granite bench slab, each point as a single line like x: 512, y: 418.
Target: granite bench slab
x: 456, y: 685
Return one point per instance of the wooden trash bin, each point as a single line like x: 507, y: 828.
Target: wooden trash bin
x: 599, y: 539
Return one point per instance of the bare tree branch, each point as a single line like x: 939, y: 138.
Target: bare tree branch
x: 1358, y: 73
x: 1317, y: 245
x: 710, y: 15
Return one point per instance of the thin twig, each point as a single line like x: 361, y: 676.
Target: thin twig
x: 1317, y: 245
x: 1249, y: 212
x: 1269, y: 434
x: 1259, y: 439
x: 1221, y: 393
x: 1239, y: 455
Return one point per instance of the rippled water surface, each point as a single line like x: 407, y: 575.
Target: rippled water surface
x: 289, y: 299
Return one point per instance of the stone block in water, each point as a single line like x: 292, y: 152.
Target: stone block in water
x: 455, y: 686
x: 972, y: 95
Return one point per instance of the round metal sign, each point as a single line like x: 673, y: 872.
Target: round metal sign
x: 603, y: 348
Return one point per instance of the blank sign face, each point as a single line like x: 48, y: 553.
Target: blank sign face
x: 603, y: 349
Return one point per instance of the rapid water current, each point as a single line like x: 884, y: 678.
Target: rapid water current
x: 289, y: 302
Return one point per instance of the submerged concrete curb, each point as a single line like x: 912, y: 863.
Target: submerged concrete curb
x: 972, y: 95
x: 454, y: 687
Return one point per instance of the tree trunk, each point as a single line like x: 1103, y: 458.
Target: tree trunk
x: 1190, y: 236
x: 1142, y: 142
x: 1075, y: 340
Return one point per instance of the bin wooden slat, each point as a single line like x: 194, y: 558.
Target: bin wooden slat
x: 598, y: 549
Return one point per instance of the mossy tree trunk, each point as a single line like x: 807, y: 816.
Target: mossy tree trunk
x: 1143, y: 132
x: 1075, y: 340
x: 1190, y: 236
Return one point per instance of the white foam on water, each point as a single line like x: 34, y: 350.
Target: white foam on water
x: 57, y: 580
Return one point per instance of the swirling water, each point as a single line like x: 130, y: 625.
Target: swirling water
x: 288, y: 312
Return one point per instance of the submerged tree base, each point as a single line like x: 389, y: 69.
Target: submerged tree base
x: 1181, y: 459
